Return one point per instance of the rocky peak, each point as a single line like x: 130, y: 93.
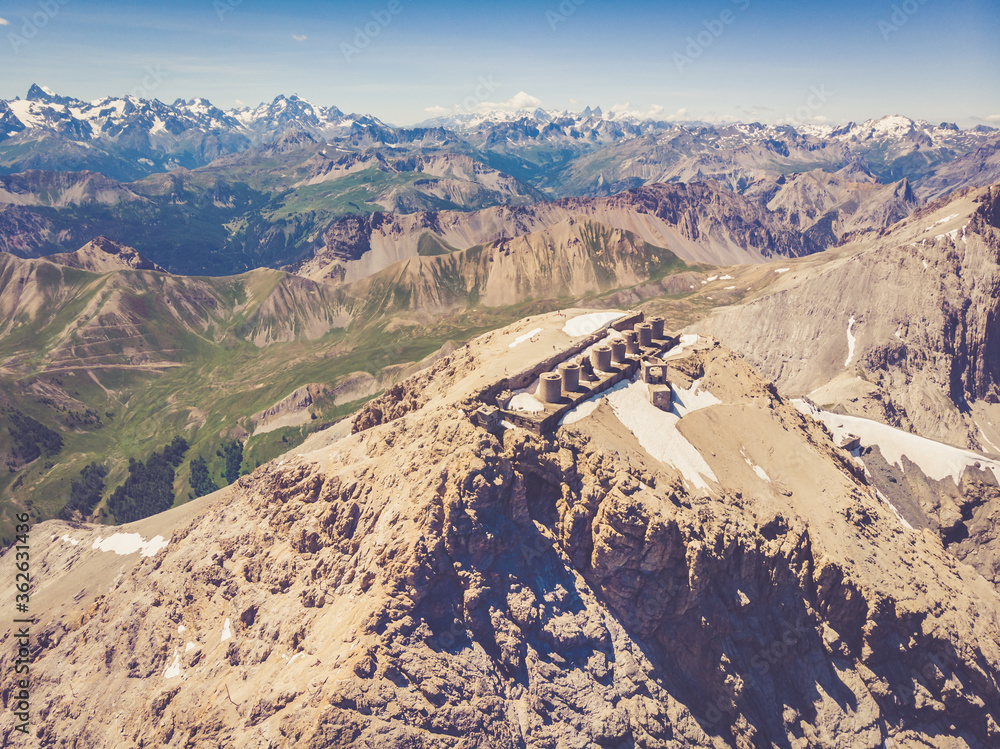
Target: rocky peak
x: 102, y: 254
x: 46, y: 95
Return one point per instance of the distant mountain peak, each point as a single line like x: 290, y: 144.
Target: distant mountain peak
x: 44, y: 94
x: 102, y: 254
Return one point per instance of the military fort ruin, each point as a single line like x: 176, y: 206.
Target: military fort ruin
x: 616, y: 352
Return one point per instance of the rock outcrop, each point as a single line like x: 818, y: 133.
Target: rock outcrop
x: 102, y: 255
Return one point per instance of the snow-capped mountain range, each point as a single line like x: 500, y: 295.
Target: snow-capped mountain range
x: 112, y: 118
x: 587, y: 153
x: 140, y: 122
x: 580, y: 124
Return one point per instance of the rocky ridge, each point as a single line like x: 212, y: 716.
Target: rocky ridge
x: 103, y: 255
x: 697, y: 222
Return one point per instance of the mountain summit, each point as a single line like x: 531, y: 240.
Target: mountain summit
x: 102, y: 255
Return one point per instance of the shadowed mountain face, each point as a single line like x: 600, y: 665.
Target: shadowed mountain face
x: 268, y: 207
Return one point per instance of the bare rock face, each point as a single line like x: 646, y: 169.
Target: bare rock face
x: 829, y: 205
x: 426, y: 583
x: 909, y: 313
x: 102, y: 255
x: 975, y: 169
x: 393, y: 403
x: 701, y: 222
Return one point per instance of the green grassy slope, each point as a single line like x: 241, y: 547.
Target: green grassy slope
x: 120, y: 363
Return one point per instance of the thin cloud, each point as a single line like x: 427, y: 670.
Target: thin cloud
x: 4, y: 22
x: 792, y: 120
x: 520, y: 100
x: 299, y: 37
x: 517, y: 102
x: 716, y: 119
x: 652, y: 113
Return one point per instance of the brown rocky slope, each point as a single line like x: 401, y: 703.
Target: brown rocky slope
x: 701, y: 222
x: 424, y: 583
x: 901, y: 323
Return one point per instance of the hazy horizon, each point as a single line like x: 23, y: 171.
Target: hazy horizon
x: 734, y: 60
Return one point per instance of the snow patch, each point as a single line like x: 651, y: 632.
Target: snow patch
x: 525, y: 402
x: 181, y: 629
x: 942, y: 221
x: 174, y: 669
x: 189, y: 647
x: 694, y: 398
x: 71, y: 541
x: 987, y: 440
x: 730, y: 288
x: 582, y: 411
x: 657, y: 432
x: 687, y: 341
x: 936, y: 459
x: 27, y: 112
x: 782, y: 270
x: 590, y: 323
x: 526, y: 337
x: 227, y: 631
x: 726, y: 277
x: 761, y: 473
x: 130, y: 543
x: 851, y: 340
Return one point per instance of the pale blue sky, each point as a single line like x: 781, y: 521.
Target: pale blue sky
x: 729, y: 59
